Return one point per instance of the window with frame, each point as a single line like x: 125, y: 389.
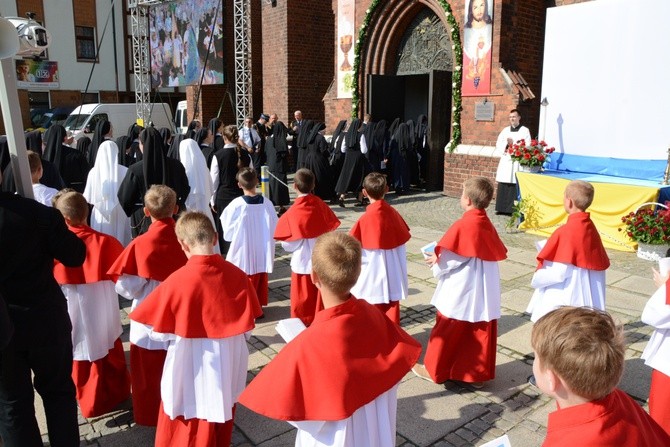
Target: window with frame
x: 85, y: 42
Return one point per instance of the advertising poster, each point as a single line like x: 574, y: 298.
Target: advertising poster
x: 36, y: 74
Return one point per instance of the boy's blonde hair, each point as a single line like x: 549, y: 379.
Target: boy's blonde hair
x: 304, y: 180
x: 34, y: 161
x: 583, y: 346
x: 160, y: 201
x: 479, y: 190
x: 336, y: 260
x: 195, y: 229
x: 375, y: 185
x: 581, y: 193
x: 247, y: 178
x: 73, y: 206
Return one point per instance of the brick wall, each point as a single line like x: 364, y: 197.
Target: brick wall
x: 458, y: 168
x: 275, y: 60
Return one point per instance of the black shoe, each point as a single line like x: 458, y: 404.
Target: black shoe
x: 341, y: 202
x: 531, y: 380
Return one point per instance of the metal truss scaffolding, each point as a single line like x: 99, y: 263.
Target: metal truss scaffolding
x: 139, y: 15
x: 242, y: 27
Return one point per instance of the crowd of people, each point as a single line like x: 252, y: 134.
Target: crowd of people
x: 198, y: 285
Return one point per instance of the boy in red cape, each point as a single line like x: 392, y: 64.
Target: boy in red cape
x: 579, y: 360
x: 344, y: 394
x: 462, y: 344
x: 383, y: 233
x: 248, y: 223
x: 203, y: 311
x: 99, y: 369
x: 657, y: 353
x: 571, y: 265
x: 147, y: 261
x: 298, y: 228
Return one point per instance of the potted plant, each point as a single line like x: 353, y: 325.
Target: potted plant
x: 650, y: 228
x: 531, y: 156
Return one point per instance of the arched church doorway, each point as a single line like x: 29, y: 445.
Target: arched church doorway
x: 413, y: 78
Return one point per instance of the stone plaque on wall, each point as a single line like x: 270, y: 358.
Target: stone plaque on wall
x: 484, y: 111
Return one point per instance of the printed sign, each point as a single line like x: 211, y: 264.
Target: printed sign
x: 31, y: 74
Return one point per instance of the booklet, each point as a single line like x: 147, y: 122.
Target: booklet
x: 502, y: 441
x: 428, y: 250
x: 290, y: 328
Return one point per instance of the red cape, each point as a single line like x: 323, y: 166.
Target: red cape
x: 381, y: 227
x: 667, y: 292
x: 101, y: 252
x: 152, y: 255
x: 207, y: 298
x: 473, y: 236
x: 307, y: 218
x: 577, y: 243
x: 350, y: 355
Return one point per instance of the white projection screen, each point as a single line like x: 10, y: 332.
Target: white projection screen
x: 606, y: 77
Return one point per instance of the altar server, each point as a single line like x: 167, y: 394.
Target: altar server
x: 462, y: 344
x: 571, y: 265
x: 202, y: 311
x: 579, y: 360
x: 657, y: 353
x: 345, y: 395
x: 99, y: 369
x: 298, y: 228
x: 249, y: 224
x: 143, y: 265
x: 383, y: 233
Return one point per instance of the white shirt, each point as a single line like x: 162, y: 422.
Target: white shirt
x: 476, y: 284
x: 507, y: 168
x: 137, y: 289
x: 557, y: 284
x: 43, y: 194
x: 383, y: 277
x: 657, y: 314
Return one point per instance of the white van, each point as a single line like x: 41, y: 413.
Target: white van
x: 83, y: 119
x: 180, y: 118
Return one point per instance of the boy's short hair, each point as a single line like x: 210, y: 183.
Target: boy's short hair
x: 72, y: 205
x: 304, y: 180
x: 336, y: 259
x: 375, y: 185
x: 160, y: 201
x: 194, y: 229
x: 34, y: 161
x: 583, y: 346
x: 60, y: 194
x: 479, y: 190
x: 581, y: 193
x: 247, y: 178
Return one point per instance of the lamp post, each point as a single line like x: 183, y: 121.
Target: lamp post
x: 543, y: 118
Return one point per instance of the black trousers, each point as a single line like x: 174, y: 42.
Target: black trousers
x: 52, y: 368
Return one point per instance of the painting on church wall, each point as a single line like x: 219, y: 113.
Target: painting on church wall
x: 477, y: 39
x: 346, y: 39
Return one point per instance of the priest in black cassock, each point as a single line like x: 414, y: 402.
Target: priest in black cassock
x: 155, y: 168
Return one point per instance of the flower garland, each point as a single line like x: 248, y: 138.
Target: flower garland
x: 456, y: 76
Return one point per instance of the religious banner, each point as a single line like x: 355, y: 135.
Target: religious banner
x: 36, y: 74
x: 477, y: 39
x: 345, y: 45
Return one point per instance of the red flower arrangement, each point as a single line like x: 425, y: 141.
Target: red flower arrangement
x: 648, y: 225
x: 534, y: 154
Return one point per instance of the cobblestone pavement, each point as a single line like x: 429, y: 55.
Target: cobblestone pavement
x: 428, y: 414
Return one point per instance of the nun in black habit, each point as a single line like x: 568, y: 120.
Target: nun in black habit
x: 154, y: 169
x: 336, y: 157
x: 412, y: 157
x: 276, y: 149
x: 71, y: 164
x: 302, y: 141
x: 422, y: 145
x: 102, y: 132
x: 133, y: 153
x: 316, y: 160
x: 216, y: 127
x: 400, y: 146
x: 50, y: 177
x: 355, y: 166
